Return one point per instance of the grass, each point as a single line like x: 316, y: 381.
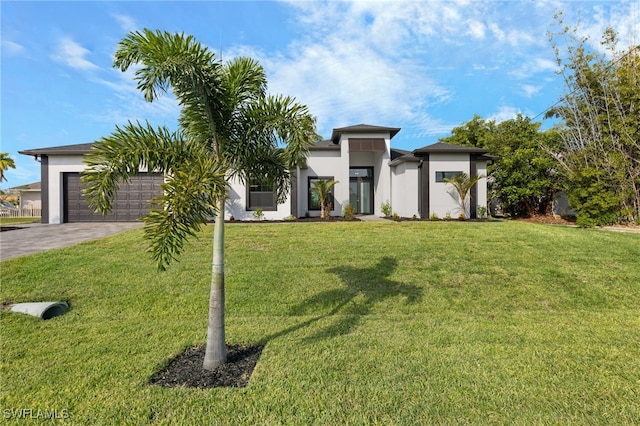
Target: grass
x: 18, y: 220
x: 364, y: 323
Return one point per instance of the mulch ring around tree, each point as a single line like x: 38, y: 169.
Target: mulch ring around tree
x: 185, y: 370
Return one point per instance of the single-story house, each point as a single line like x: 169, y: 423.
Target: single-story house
x: 368, y: 171
x: 29, y: 196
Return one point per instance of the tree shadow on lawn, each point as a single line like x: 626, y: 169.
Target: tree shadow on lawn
x: 364, y: 288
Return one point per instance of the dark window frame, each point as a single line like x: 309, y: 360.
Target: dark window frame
x: 310, y: 179
x: 441, y: 176
x: 262, y: 185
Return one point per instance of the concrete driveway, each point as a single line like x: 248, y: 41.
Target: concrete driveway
x: 35, y: 237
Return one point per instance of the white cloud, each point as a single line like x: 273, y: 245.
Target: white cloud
x: 504, y: 113
x: 72, y: 54
x: 622, y: 16
x: 127, y: 23
x: 534, y: 66
x: 382, y: 62
x: 530, y: 90
x: 128, y: 104
x: 429, y: 126
x: 591, y: 20
x: 12, y: 48
x: 345, y: 82
x: 476, y: 29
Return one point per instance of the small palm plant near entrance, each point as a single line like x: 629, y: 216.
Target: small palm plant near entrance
x: 323, y: 188
x: 463, y: 183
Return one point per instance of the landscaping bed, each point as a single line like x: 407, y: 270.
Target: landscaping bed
x: 186, y: 369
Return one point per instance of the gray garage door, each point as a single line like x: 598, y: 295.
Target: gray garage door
x: 131, y: 203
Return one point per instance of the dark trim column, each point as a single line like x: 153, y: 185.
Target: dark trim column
x: 44, y: 189
x: 473, y: 196
x: 424, y: 188
x: 294, y: 193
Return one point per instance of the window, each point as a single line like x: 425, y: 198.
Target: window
x: 314, y: 200
x: 441, y: 176
x: 261, y: 195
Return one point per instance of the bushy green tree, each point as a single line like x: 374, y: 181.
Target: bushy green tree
x: 600, y: 154
x: 229, y: 128
x: 524, y: 176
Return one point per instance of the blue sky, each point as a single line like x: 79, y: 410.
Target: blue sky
x: 424, y: 66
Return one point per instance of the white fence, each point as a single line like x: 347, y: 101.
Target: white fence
x: 25, y: 212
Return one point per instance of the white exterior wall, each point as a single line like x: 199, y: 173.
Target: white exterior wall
x: 59, y: 164
x: 327, y: 163
x: 323, y: 163
x: 482, y: 198
x: 30, y: 199
x: 405, y: 182
x: 236, y: 205
x: 443, y: 197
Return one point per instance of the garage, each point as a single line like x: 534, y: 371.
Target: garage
x: 132, y: 201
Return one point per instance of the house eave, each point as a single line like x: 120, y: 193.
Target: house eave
x: 78, y: 149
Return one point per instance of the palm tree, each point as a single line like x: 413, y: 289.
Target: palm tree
x: 463, y: 184
x: 228, y: 129
x: 6, y: 163
x: 322, y: 188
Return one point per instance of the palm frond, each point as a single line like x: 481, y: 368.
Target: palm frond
x: 170, y: 61
x: 117, y: 157
x: 189, y: 200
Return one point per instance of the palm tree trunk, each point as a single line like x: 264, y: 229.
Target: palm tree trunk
x: 216, y: 350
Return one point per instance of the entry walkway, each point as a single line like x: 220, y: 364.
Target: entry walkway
x: 371, y: 218
x: 35, y: 237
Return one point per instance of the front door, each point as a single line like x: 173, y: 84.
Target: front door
x: 361, y: 189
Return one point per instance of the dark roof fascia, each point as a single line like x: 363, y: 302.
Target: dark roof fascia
x: 399, y: 156
x: 405, y: 159
x: 78, y: 149
x: 441, y: 147
x: 362, y: 128
x: 325, y: 146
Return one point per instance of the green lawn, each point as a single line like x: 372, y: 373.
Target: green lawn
x: 18, y: 220
x: 364, y: 323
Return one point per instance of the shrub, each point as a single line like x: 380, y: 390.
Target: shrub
x: 594, y: 197
x: 395, y: 216
x: 482, y: 212
x: 434, y: 216
x: 348, y: 212
x: 386, y: 208
x: 258, y: 214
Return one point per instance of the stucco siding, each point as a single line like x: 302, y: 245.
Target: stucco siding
x: 443, y: 198
x: 323, y: 164
x: 59, y: 164
x: 482, y: 199
x: 236, y: 205
x: 404, y: 189
x: 30, y: 200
